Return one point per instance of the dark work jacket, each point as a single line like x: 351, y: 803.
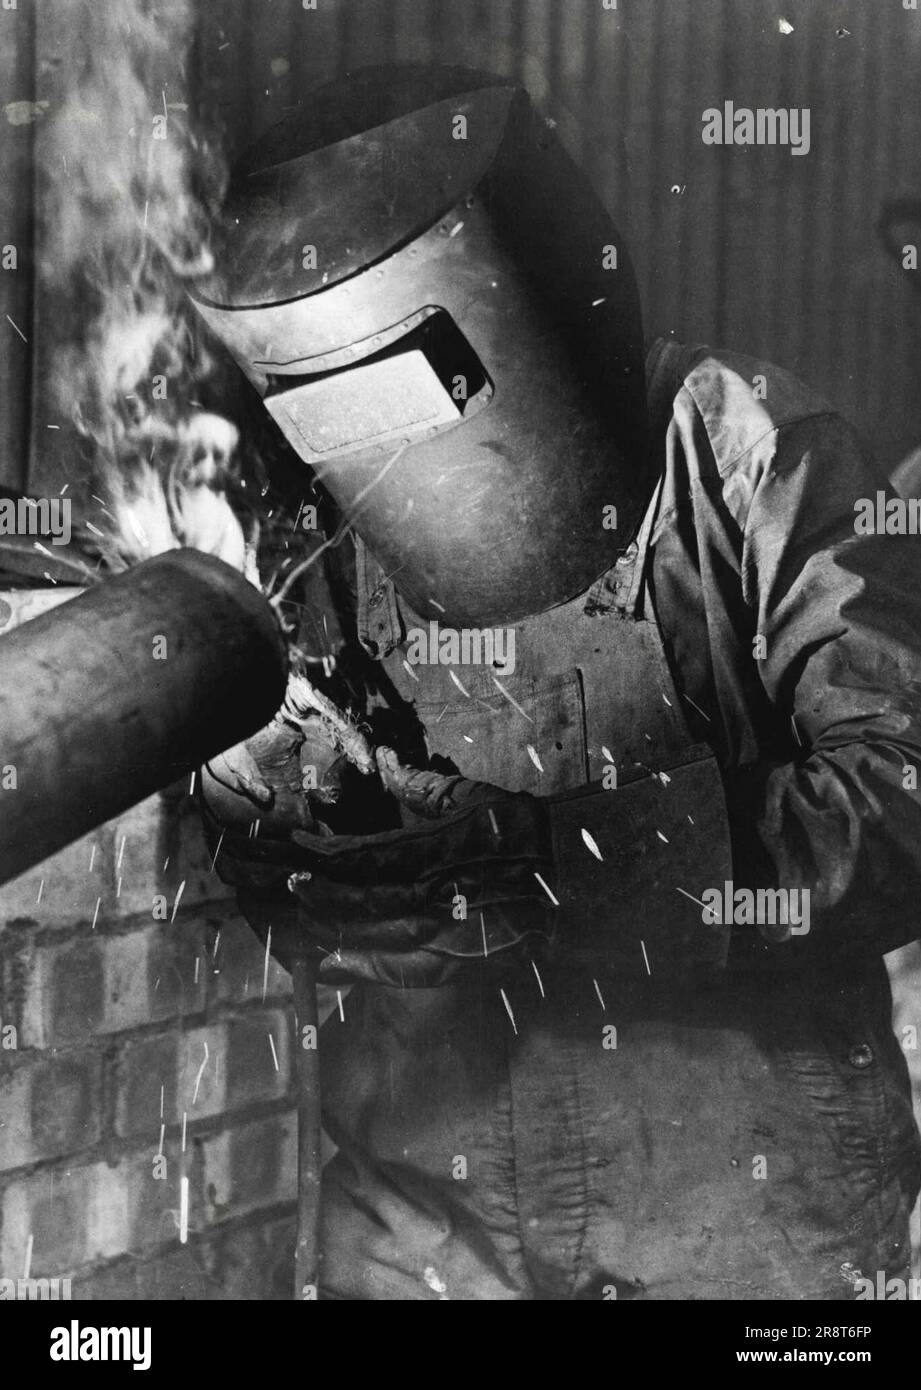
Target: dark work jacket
x: 817, y: 727
x: 757, y: 1140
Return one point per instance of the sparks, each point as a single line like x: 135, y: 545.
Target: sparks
x: 540, y: 983
x: 592, y: 845
x: 183, y: 1210
x: 600, y: 995
x: 691, y: 896
x: 494, y: 823
x: 201, y: 1072
x: 339, y: 1002
x: 96, y: 913
x: 508, y: 1010
x: 41, y: 888
x: 92, y: 858
x: 265, y: 966
x: 217, y: 851
x: 274, y: 1053
x: 29, y: 1244
x: 185, y: 1120
x: 512, y: 701
x: 192, y: 785
x: 645, y: 958
x: 197, y: 969
x: 607, y: 754
x: 483, y: 932
x: 121, y: 851
x: 18, y: 330
x: 662, y: 837
x: 698, y: 709
x: 555, y: 901
x: 454, y: 678
x: 535, y: 759
x: 795, y: 730
x: 179, y: 893
x: 409, y: 670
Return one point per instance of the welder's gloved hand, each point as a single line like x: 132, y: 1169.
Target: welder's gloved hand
x: 265, y: 779
x: 414, y: 907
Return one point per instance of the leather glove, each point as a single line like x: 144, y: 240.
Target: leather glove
x: 265, y: 779
x: 409, y: 907
x: 614, y: 876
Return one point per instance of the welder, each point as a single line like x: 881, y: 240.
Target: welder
x: 558, y: 1075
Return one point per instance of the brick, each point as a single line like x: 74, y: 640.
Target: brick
x: 177, y: 962
x: 15, y: 1135
x: 201, y: 1085
x: 252, y: 1261
x: 240, y: 961
x: 179, y: 1274
x: 156, y: 1201
x: 64, y: 890
x: 251, y: 1166
x: 158, y: 846
x: 143, y: 1067
x: 77, y: 990
x: 74, y: 1215
x: 251, y: 1071
x: 101, y: 984
x: 167, y: 1277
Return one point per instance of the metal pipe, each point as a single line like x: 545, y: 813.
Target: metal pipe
x: 121, y: 691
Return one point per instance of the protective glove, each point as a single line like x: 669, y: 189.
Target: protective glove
x: 265, y: 779
x: 611, y: 878
x: 413, y: 907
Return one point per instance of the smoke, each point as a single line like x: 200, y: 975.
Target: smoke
x: 128, y: 191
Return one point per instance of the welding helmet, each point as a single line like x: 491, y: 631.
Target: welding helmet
x: 442, y: 318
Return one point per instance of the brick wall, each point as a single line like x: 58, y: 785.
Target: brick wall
x: 115, y: 1012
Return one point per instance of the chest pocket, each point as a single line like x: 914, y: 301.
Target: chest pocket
x: 538, y: 747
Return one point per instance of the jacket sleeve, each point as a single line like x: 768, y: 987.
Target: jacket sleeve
x: 840, y: 618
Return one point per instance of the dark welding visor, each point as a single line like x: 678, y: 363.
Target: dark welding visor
x: 421, y: 383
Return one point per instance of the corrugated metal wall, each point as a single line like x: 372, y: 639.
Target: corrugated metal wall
x: 17, y: 130
x: 751, y: 248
